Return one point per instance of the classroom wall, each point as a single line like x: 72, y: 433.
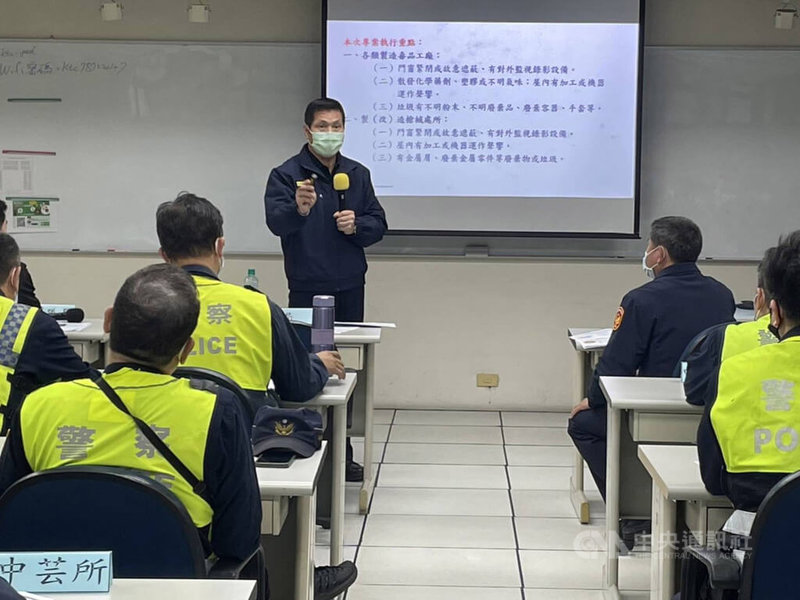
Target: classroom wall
x: 456, y: 317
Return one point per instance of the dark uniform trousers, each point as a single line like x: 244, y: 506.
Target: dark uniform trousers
x: 588, y: 432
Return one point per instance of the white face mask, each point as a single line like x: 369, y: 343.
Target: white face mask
x: 649, y: 271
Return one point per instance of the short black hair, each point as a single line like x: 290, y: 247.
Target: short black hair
x: 321, y: 104
x: 9, y: 255
x: 762, y: 268
x: 680, y: 236
x: 3, y: 209
x: 155, y: 313
x: 188, y: 226
x: 782, y: 275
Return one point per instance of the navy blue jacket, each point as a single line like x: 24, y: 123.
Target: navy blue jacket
x: 228, y: 472
x: 316, y: 255
x: 658, y: 320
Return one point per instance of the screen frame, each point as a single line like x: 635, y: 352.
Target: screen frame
x: 635, y: 234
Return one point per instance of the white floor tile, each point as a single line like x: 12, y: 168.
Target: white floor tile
x: 540, y: 456
x: 562, y: 570
x: 352, y: 531
x: 409, y: 592
x: 322, y: 554
x: 444, y: 476
x: 351, y: 500
x: 545, y: 594
x: 445, y: 454
x: 415, y: 501
x: 398, y: 531
x: 542, y: 503
x: 558, y: 534
x: 382, y: 416
x: 447, y: 417
x: 535, y: 419
x: 445, y: 434
x: 634, y: 572
x: 536, y: 436
x: 358, y: 451
x: 380, y: 433
x: 438, y: 567
x: 539, y: 478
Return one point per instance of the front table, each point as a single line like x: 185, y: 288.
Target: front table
x: 667, y: 416
x: 676, y: 478
x: 357, y: 347
x: 335, y: 394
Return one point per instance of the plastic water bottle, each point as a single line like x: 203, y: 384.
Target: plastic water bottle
x: 322, y: 317
x: 251, y: 280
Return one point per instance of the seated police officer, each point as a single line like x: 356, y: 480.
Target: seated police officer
x: 33, y: 349
x: 76, y: 423
x: 652, y: 327
x: 748, y: 437
x: 240, y: 332
x: 715, y: 345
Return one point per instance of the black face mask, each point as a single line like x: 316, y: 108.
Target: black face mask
x: 774, y: 331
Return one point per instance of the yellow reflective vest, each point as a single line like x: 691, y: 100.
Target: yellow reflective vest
x: 74, y: 423
x: 233, y: 334
x: 16, y: 322
x: 746, y: 336
x: 756, y: 413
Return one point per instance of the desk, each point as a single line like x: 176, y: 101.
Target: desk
x: 277, y: 486
x: 169, y: 589
x: 657, y: 404
x: 357, y: 348
x: 90, y: 343
x: 335, y: 394
x: 676, y: 478
x: 584, y: 366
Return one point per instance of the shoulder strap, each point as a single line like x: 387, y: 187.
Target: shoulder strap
x: 198, y: 487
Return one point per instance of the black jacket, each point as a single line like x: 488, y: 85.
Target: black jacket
x: 657, y: 320
x: 316, y: 255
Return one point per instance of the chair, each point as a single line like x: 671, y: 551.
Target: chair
x: 143, y: 524
x: 772, y: 564
x: 248, y: 404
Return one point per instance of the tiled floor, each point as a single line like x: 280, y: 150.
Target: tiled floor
x: 475, y: 506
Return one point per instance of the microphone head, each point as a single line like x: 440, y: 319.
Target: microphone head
x: 74, y: 315
x: 341, y: 182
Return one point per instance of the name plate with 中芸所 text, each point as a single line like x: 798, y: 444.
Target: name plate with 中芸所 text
x: 57, y: 571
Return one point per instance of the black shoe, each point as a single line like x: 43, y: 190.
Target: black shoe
x: 353, y: 472
x: 329, y: 582
x: 633, y: 531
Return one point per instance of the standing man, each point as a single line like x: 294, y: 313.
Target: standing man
x: 323, y: 231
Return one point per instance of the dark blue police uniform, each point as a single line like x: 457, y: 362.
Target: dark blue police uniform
x: 317, y: 257
x: 653, y: 326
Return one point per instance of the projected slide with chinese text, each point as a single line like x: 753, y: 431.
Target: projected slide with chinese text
x: 489, y: 109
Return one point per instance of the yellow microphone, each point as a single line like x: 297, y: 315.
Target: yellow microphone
x: 341, y: 183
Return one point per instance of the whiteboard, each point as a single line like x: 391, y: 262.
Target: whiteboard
x: 139, y: 122
x: 719, y: 143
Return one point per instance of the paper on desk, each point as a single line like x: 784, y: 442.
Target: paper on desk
x: 368, y: 324
x: 342, y: 330
x: 592, y: 339
x: 73, y: 327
